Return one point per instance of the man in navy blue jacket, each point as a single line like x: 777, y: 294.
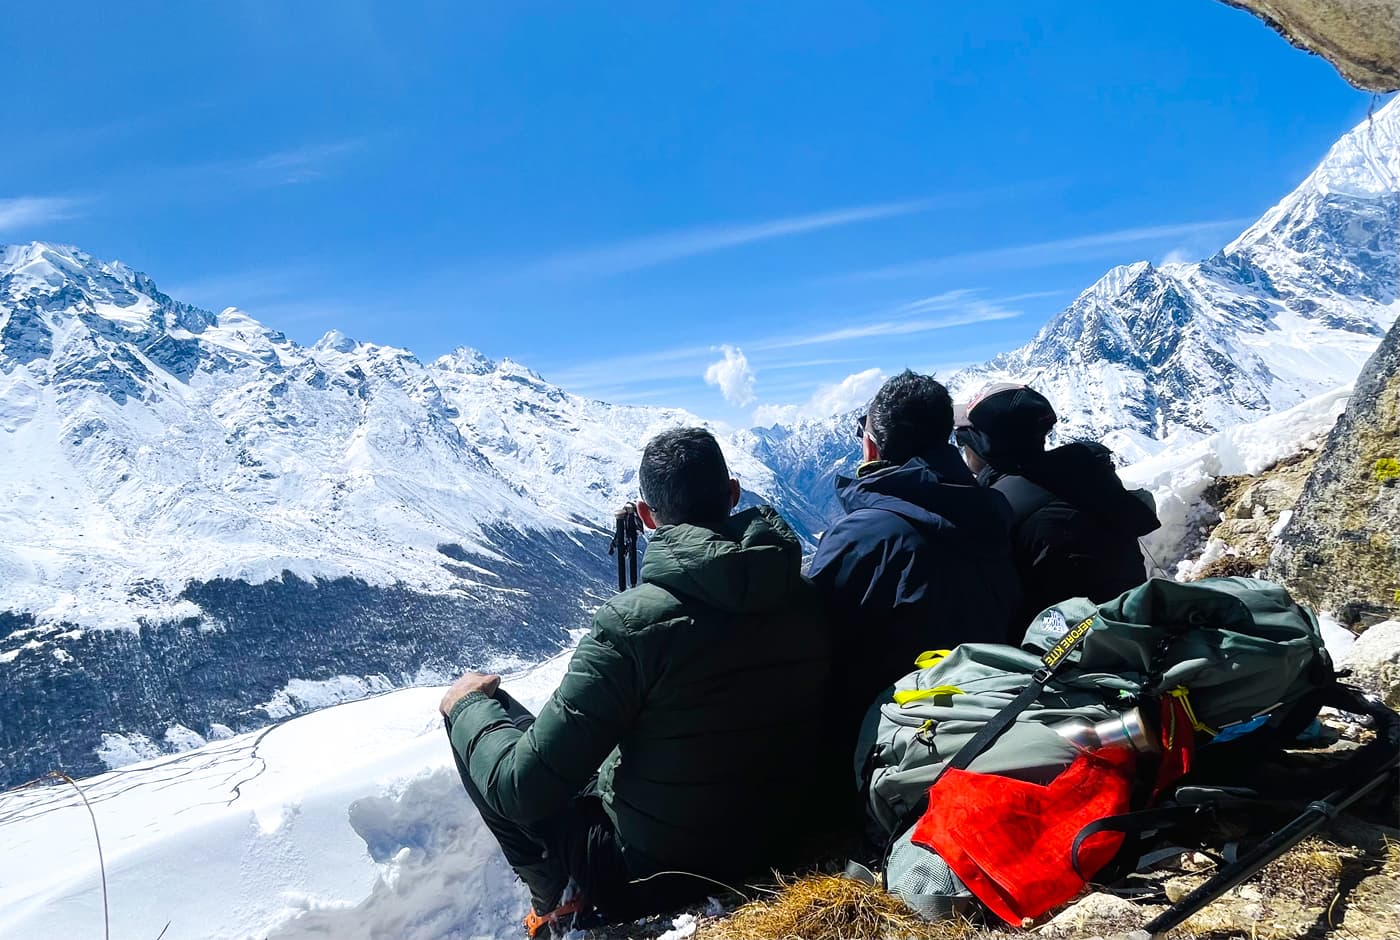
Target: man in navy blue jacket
x: 922, y: 558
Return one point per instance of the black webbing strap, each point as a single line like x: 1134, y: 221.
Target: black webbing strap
x: 1132, y: 826
x: 1053, y: 659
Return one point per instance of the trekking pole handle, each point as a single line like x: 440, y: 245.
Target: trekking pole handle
x: 625, y: 531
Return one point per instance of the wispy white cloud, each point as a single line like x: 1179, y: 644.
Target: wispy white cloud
x: 792, y: 351
x: 25, y: 211
x: 300, y: 164
x: 661, y: 248
x: 734, y: 377
x: 975, y: 312
x: 784, y: 365
x: 597, y: 374
x: 832, y: 399
x: 1041, y: 254
x: 285, y: 167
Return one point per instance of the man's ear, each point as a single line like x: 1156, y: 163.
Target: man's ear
x: 869, y: 450
x: 648, y: 517
x: 734, y: 492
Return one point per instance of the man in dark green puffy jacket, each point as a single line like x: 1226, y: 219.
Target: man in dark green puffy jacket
x: 684, y: 737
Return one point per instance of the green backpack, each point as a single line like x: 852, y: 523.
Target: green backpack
x: 1239, y: 652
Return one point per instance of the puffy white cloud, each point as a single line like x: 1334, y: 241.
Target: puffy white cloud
x: 734, y: 377
x: 833, y: 399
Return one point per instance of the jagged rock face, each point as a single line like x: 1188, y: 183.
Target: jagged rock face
x: 806, y: 461
x: 1361, y: 38
x: 1341, y: 550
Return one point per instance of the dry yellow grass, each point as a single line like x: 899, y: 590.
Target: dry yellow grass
x: 1318, y: 890
x: 828, y: 907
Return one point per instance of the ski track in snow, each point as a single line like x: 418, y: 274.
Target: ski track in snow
x: 347, y: 822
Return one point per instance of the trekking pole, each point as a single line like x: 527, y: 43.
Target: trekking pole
x: 1318, y: 813
x: 1153, y: 558
x: 618, y: 546
x: 624, y: 544
x: 633, y: 529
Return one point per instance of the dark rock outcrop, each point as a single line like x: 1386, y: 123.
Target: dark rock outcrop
x: 1341, y: 550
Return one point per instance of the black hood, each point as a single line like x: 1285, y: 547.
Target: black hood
x: 935, y: 491
x: 1082, y: 474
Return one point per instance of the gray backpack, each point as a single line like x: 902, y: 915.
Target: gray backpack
x: 1238, y: 651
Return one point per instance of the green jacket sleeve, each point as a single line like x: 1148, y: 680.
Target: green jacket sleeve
x: 531, y: 775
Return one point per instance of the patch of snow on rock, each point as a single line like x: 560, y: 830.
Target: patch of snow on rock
x: 1374, y: 660
x: 1178, y: 477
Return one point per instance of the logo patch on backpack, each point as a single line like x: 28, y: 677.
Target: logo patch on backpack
x: 1048, y: 628
x: 1069, y: 641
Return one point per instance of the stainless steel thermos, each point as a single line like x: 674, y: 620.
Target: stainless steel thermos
x: 1127, y: 727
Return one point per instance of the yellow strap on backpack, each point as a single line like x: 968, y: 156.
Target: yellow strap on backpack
x: 1183, y: 695
x: 905, y: 696
x: 931, y: 658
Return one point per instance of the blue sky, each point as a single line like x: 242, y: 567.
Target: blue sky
x: 789, y: 198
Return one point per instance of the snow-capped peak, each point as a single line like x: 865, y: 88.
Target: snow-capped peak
x: 335, y: 341
x: 465, y: 359
x: 1364, y: 164
x: 1113, y: 283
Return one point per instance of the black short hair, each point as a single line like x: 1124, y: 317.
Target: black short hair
x: 909, y: 415
x: 685, y: 479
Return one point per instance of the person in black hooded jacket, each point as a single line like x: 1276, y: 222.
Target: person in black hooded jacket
x: 1075, y: 526
x: 922, y: 559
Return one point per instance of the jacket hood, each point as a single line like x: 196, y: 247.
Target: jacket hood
x: 935, y: 491
x: 749, y: 565
x: 1082, y: 474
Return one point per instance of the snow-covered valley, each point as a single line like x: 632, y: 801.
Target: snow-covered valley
x: 350, y: 822
x: 207, y: 530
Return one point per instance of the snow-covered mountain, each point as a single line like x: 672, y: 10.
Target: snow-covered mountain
x: 1289, y: 309
x: 204, y: 524
x: 1152, y: 356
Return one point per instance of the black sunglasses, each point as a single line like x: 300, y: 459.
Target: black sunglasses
x: 860, y: 425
